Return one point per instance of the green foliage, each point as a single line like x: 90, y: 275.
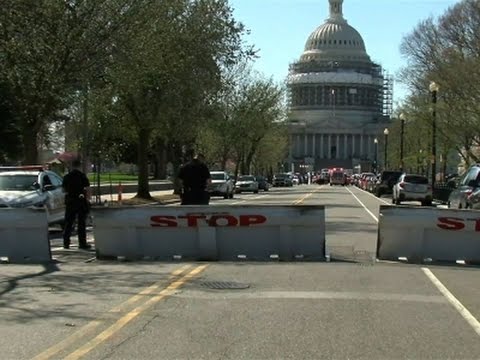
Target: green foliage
x: 446, y: 50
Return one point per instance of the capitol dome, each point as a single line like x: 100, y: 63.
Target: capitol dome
x: 335, y: 39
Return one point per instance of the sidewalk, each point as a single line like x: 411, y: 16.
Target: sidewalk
x: 161, y: 195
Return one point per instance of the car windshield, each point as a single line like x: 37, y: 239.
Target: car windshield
x: 246, y: 178
x: 281, y: 176
x: 218, y: 176
x: 18, y: 182
x: 416, y: 179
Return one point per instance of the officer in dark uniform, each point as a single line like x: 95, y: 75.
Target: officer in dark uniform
x: 77, y: 194
x: 195, y: 178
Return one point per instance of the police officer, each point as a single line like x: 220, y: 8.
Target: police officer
x: 77, y: 195
x: 195, y: 178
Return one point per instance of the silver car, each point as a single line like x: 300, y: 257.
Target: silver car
x: 411, y: 187
x: 33, y: 188
x: 246, y: 183
x: 222, y: 185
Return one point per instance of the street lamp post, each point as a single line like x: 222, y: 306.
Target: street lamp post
x: 402, y: 133
x: 375, y: 141
x: 386, y: 132
x: 434, y: 90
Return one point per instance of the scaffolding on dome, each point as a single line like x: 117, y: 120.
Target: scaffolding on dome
x: 387, y: 94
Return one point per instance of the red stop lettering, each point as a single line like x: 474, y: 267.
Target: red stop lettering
x: 477, y: 223
x: 247, y: 220
x: 447, y: 223
x: 163, y: 221
x: 231, y: 220
x: 192, y: 220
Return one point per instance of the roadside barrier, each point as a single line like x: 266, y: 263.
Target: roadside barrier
x: 428, y: 234
x: 258, y: 233
x: 24, y: 236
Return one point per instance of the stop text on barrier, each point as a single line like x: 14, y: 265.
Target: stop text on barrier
x: 453, y: 223
x: 221, y: 220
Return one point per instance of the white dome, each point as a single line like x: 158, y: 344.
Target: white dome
x: 335, y: 39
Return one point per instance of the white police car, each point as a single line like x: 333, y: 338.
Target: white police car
x: 33, y: 186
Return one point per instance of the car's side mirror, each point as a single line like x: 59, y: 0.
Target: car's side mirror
x: 49, y: 187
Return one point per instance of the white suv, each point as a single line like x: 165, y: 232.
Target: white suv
x: 222, y: 185
x: 33, y: 188
x: 412, y: 188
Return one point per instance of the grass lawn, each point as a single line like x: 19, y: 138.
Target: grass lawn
x: 114, y: 178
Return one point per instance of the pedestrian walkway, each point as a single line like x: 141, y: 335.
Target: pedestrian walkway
x: 113, y: 198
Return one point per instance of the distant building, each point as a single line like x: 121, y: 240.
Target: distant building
x: 339, y: 99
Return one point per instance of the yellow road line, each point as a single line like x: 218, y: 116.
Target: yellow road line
x: 146, y: 291
x: 84, y: 330
x: 305, y: 197
x: 124, y: 320
x: 77, y: 335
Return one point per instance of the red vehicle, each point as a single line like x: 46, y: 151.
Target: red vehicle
x: 338, y: 177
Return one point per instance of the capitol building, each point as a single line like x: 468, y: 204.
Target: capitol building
x: 340, y: 101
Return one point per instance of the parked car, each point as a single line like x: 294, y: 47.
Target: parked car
x: 473, y: 200
x: 282, y: 180
x: 362, y: 182
x: 296, y: 180
x: 33, y: 187
x: 323, y: 178
x: 222, y: 184
x: 411, y: 187
x: 263, y: 183
x: 385, y: 183
x: 464, y: 187
x: 246, y: 183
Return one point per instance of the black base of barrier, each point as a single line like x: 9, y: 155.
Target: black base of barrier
x: 428, y: 261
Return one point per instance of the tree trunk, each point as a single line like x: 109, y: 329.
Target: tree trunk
x: 238, y: 165
x: 177, y: 161
x: 143, y: 190
x: 249, y: 160
x: 225, y: 158
x: 160, y: 160
x: 30, y: 146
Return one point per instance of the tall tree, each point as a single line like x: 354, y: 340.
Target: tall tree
x: 447, y: 50
x: 167, y: 67
x: 51, y: 49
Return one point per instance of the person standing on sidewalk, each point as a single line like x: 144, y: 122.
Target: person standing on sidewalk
x: 76, y: 187
x: 195, y: 178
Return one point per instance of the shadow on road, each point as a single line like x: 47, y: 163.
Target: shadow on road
x: 66, y: 291
x: 13, y: 283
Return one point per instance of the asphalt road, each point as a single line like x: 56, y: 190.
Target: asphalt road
x: 349, y: 308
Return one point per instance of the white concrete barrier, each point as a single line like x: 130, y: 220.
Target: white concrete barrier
x: 24, y: 236
x: 418, y: 234
x: 211, y: 233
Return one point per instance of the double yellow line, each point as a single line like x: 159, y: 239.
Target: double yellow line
x: 125, y: 319
x: 305, y: 197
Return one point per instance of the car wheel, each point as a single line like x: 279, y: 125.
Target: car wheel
x: 266, y: 189
x: 255, y: 192
x: 226, y: 195
x: 231, y: 195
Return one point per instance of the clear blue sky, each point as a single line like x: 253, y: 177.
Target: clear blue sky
x: 280, y: 28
